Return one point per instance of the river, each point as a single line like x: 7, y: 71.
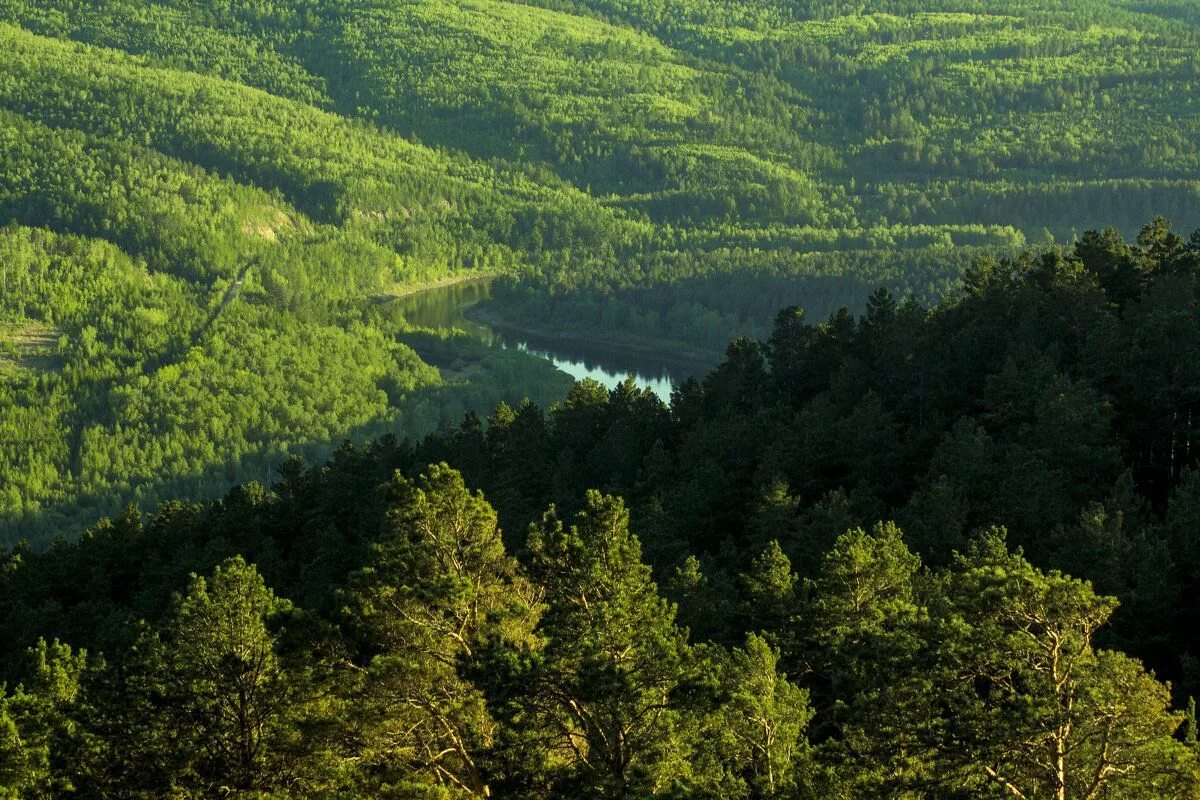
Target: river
x: 444, y: 307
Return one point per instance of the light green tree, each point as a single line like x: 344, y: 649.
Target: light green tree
x: 438, y: 587
x: 602, y: 687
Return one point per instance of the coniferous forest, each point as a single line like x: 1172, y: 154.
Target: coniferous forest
x: 919, y: 552
x: 925, y: 527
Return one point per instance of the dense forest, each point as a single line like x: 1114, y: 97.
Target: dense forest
x: 940, y: 551
x: 205, y: 206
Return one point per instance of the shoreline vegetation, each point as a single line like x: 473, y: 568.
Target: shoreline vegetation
x: 401, y: 291
x: 484, y: 314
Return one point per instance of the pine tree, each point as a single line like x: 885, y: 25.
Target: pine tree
x: 437, y: 588
x: 861, y: 627
x: 1028, y: 704
x: 227, y: 708
x: 767, y: 717
x: 41, y: 738
x: 602, y: 687
x: 769, y: 594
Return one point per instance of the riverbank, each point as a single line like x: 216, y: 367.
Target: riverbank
x: 465, y: 306
x: 696, y: 362
x: 409, y: 289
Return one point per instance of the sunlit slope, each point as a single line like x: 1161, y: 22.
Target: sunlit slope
x: 925, y: 103
x: 847, y: 116
x: 337, y: 170
x: 258, y: 176
x: 610, y: 108
x: 190, y: 269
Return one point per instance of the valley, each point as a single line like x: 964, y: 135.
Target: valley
x: 639, y: 177
x: 599, y: 399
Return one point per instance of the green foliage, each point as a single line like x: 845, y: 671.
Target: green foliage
x: 766, y: 721
x: 224, y: 687
x: 434, y: 671
x: 436, y: 590
x: 613, y: 656
x: 206, y: 209
x: 656, y: 173
x: 992, y: 684
x: 38, y: 732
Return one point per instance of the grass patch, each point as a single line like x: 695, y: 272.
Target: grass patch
x: 25, y: 344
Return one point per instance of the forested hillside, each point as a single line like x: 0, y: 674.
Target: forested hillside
x: 920, y: 552
x: 205, y: 205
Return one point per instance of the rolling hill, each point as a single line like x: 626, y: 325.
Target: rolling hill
x: 203, y: 202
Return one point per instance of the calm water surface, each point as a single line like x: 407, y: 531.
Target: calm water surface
x: 443, y: 308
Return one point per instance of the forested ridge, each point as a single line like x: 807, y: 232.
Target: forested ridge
x: 935, y: 551
x: 654, y: 170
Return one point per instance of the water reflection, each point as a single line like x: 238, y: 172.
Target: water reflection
x: 443, y: 308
